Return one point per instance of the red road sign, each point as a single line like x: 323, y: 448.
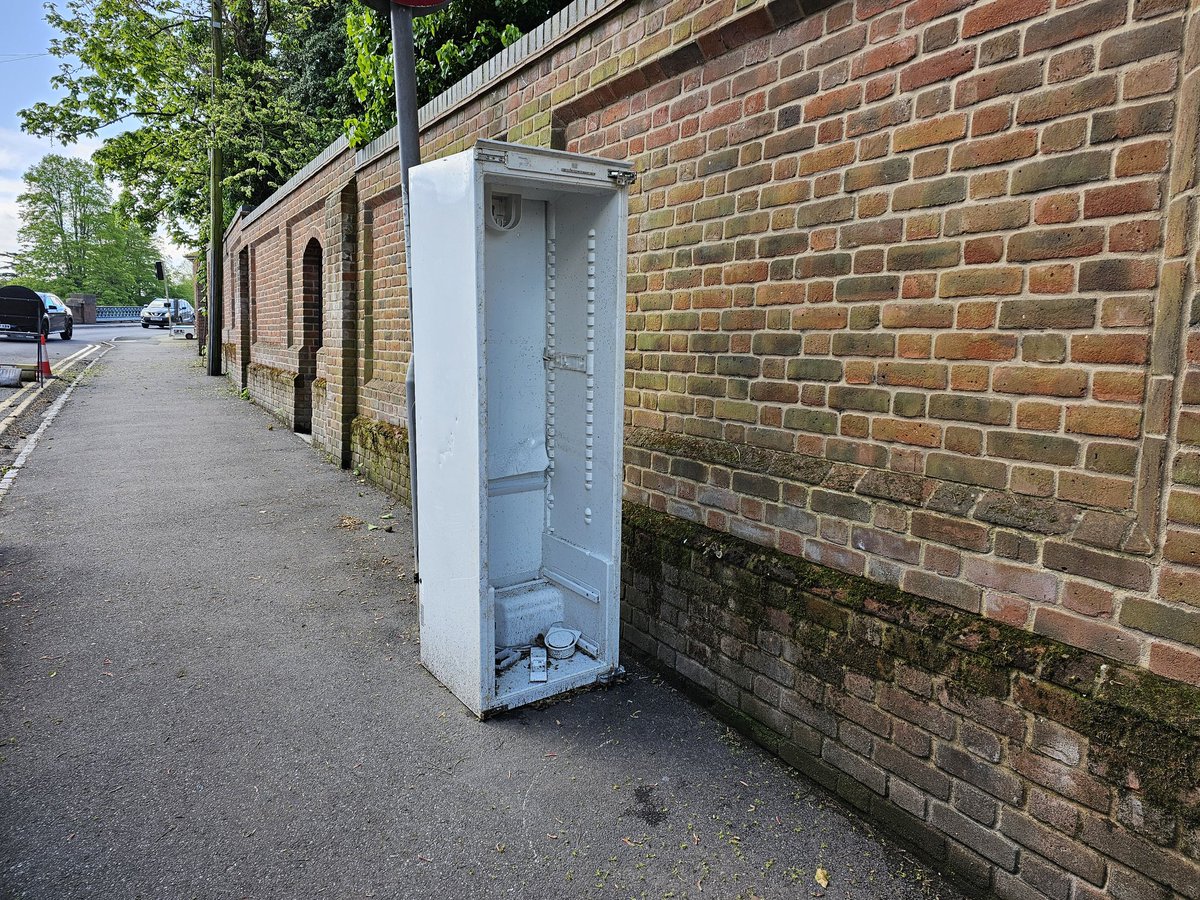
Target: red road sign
x: 381, y: 6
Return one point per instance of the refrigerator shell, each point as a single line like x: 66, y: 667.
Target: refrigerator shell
x: 518, y: 322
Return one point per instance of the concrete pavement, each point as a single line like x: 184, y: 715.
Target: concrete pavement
x: 211, y: 688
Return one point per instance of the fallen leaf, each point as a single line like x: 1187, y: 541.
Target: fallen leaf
x: 349, y: 522
x: 387, y: 516
x: 372, y: 527
x: 822, y: 878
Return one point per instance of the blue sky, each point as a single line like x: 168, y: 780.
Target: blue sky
x: 23, y: 82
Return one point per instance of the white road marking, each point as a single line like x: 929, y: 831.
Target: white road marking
x: 34, y: 389
x: 11, y: 475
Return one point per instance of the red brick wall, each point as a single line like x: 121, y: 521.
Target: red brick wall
x: 939, y: 246
x: 912, y: 297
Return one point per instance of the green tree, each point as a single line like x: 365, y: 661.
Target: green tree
x: 73, y: 240
x: 449, y: 45
x: 148, y: 63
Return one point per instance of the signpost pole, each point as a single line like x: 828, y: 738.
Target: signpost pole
x: 217, y: 217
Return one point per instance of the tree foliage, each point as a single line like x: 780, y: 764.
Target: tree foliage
x: 449, y: 45
x: 74, y: 241
x: 148, y: 64
x: 297, y: 73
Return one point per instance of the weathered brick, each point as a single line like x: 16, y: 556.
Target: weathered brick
x: 1040, y: 448
x: 1121, y: 571
x: 1055, y: 243
x: 953, y: 531
x: 963, y: 408
x: 976, y: 282
x: 1048, y: 313
x: 1075, y: 23
x: 923, y: 256
x: 929, y: 193
x: 1061, y: 171
x: 866, y: 399
x: 1071, y: 98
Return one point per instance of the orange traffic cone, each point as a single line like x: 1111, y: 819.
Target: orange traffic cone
x: 44, y: 364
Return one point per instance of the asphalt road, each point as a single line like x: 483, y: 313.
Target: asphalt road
x: 16, y: 351
x: 210, y: 687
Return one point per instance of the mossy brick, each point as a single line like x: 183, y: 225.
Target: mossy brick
x: 1055, y: 243
x: 924, y: 256
x: 769, y: 343
x: 859, y: 288
x: 1061, y: 171
x: 965, y: 408
x: 713, y: 254
x: 925, y: 194
x: 736, y: 410
x: 1183, y: 507
x: 1111, y: 459
x: 814, y: 369
x: 1186, y: 469
x: 1171, y: 622
x: 858, y: 344
x: 738, y: 365
x: 1048, y: 313
x: 708, y: 342
x: 909, y: 404
x: 810, y: 421
x: 706, y: 386
x: 864, y: 317
x: 865, y: 399
x: 966, y: 470
x: 1044, y: 348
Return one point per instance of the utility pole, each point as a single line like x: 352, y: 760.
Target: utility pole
x: 217, y: 215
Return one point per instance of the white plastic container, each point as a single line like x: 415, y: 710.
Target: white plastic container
x: 518, y: 332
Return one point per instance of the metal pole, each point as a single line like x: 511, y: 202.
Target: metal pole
x: 217, y: 216
x: 408, y: 145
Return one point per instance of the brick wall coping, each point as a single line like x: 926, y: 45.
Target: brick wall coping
x: 543, y: 40
x: 537, y: 43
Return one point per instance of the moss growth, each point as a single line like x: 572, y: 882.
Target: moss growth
x: 759, y: 460
x: 380, y: 452
x: 1136, y: 722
